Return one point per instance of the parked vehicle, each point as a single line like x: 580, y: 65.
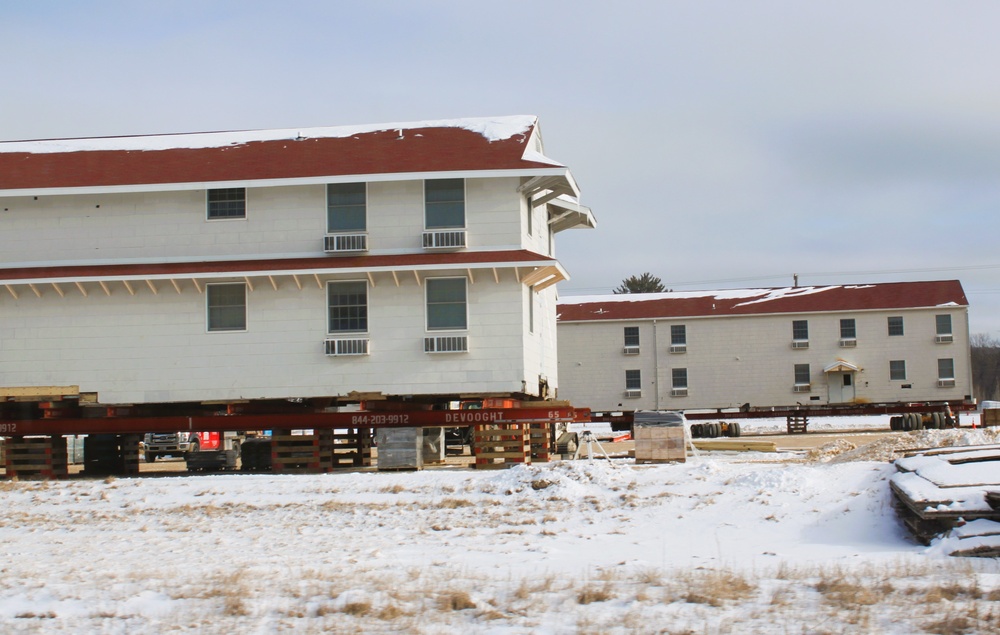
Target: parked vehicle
x: 201, y: 450
x: 176, y: 444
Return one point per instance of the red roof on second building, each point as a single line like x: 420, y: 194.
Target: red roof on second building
x: 894, y: 295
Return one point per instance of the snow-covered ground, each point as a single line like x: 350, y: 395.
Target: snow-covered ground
x: 724, y: 543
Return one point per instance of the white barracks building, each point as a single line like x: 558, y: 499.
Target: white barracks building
x: 877, y: 343
x: 405, y: 259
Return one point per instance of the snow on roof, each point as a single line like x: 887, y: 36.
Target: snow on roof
x: 897, y: 295
x: 491, y: 128
x: 453, y: 146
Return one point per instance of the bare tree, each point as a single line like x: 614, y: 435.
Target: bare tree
x: 646, y: 283
x: 985, y: 352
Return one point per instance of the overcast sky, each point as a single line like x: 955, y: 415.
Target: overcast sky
x: 719, y: 144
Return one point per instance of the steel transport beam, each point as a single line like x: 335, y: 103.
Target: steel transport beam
x: 622, y: 420
x: 313, y: 421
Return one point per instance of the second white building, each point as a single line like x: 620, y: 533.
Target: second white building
x: 894, y: 342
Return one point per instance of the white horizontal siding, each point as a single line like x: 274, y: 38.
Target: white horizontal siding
x: 287, y: 221
x: 151, y: 348
x: 749, y: 359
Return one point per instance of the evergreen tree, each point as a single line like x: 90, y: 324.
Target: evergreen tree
x: 646, y: 283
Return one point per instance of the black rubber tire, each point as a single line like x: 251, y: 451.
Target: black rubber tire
x: 739, y: 430
x: 894, y: 423
x: 938, y: 419
x: 918, y: 421
x: 150, y: 457
x: 695, y: 431
x: 907, y: 423
x: 716, y: 430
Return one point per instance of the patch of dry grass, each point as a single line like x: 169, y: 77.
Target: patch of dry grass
x: 455, y: 600
x: 716, y: 587
x: 455, y: 503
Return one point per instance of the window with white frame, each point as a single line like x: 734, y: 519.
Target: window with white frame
x: 348, y: 307
x: 946, y: 368
x: 447, y: 304
x: 632, y: 336
x: 942, y: 324
x: 800, y: 330
x: 346, y: 205
x: 444, y: 204
x: 897, y: 370
x: 678, y: 335
x: 226, y: 306
x: 802, y: 377
x: 229, y: 202
x: 848, y: 329
x: 633, y: 380
x: 895, y: 324
x: 679, y: 378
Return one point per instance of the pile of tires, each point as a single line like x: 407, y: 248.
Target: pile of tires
x: 713, y: 430
x: 915, y: 421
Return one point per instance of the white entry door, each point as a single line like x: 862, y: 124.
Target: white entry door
x: 841, y: 387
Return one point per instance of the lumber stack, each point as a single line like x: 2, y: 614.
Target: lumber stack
x: 735, y: 445
x: 295, y: 453
x: 351, y: 448
x: 940, y: 490
x: 659, y: 444
x: 499, y: 446
x: 35, y: 457
x: 797, y: 423
x: 541, y: 442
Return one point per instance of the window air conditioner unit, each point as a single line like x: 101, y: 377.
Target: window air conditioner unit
x: 354, y: 346
x: 451, y: 239
x: 802, y: 388
x: 446, y: 344
x: 851, y: 343
x: 678, y: 348
x: 631, y: 350
x: 800, y: 343
x: 340, y: 243
x: 633, y: 392
x: 679, y: 392
x: 946, y: 383
x: 944, y: 339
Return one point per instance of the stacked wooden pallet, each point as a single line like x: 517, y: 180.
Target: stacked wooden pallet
x: 797, y: 423
x: 295, y: 453
x: 541, y: 444
x: 942, y: 489
x: 111, y: 454
x: 498, y: 446
x: 255, y: 455
x: 351, y: 448
x: 36, y: 457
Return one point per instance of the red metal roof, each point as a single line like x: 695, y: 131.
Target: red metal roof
x: 436, y: 147
x: 895, y: 295
x: 244, y: 267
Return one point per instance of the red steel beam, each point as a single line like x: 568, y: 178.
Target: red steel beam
x: 313, y: 421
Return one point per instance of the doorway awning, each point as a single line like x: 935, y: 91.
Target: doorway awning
x: 841, y: 366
